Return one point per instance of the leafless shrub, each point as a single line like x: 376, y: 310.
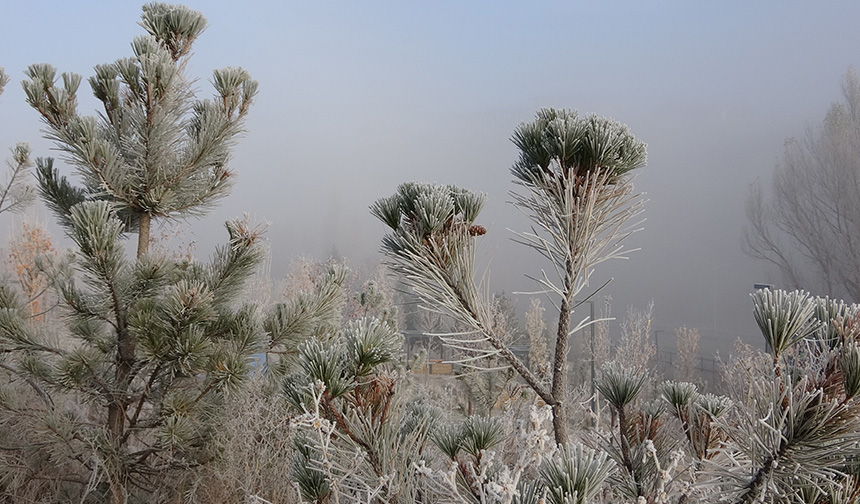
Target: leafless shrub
x: 687, y: 343
x: 536, y: 330
x: 635, y: 350
x: 745, y: 367
x: 254, y: 446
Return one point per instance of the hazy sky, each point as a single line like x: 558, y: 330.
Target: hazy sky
x: 358, y: 96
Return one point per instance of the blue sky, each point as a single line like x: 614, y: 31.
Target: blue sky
x: 356, y: 97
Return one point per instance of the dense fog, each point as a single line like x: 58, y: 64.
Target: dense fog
x: 357, y: 97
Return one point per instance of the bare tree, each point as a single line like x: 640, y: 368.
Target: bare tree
x: 809, y: 226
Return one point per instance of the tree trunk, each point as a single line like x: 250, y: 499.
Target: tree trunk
x: 559, y: 374
x: 125, y: 361
x: 116, y: 423
x: 143, y: 235
x: 559, y: 368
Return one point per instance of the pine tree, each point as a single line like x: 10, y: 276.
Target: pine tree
x: 575, y: 176
x: 155, y: 151
x: 152, y: 345
x: 357, y: 441
x: 15, y: 193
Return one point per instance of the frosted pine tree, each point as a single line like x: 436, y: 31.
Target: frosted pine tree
x: 574, y: 179
x: 151, y: 346
x: 796, y: 437
x: 154, y: 151
x: 15, y: 192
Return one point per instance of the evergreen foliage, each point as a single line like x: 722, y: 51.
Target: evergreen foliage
x: 155, y: 150
x: 575, y: 175
x: 151, y: 347
x: 356, y: 440
x: 309, y: 314
x: 15, y: 193
x: 797, y: 435
x: 576, y: 474
x: 784, y: 318
x: 4, y: 79
x: 620, y: 386
x: 129, y: 397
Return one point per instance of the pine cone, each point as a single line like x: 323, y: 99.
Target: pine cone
x: 477, y: 230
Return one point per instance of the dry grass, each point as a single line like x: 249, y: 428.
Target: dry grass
x: 254, y: 444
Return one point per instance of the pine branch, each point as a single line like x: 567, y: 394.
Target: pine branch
x: 57, y: 192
